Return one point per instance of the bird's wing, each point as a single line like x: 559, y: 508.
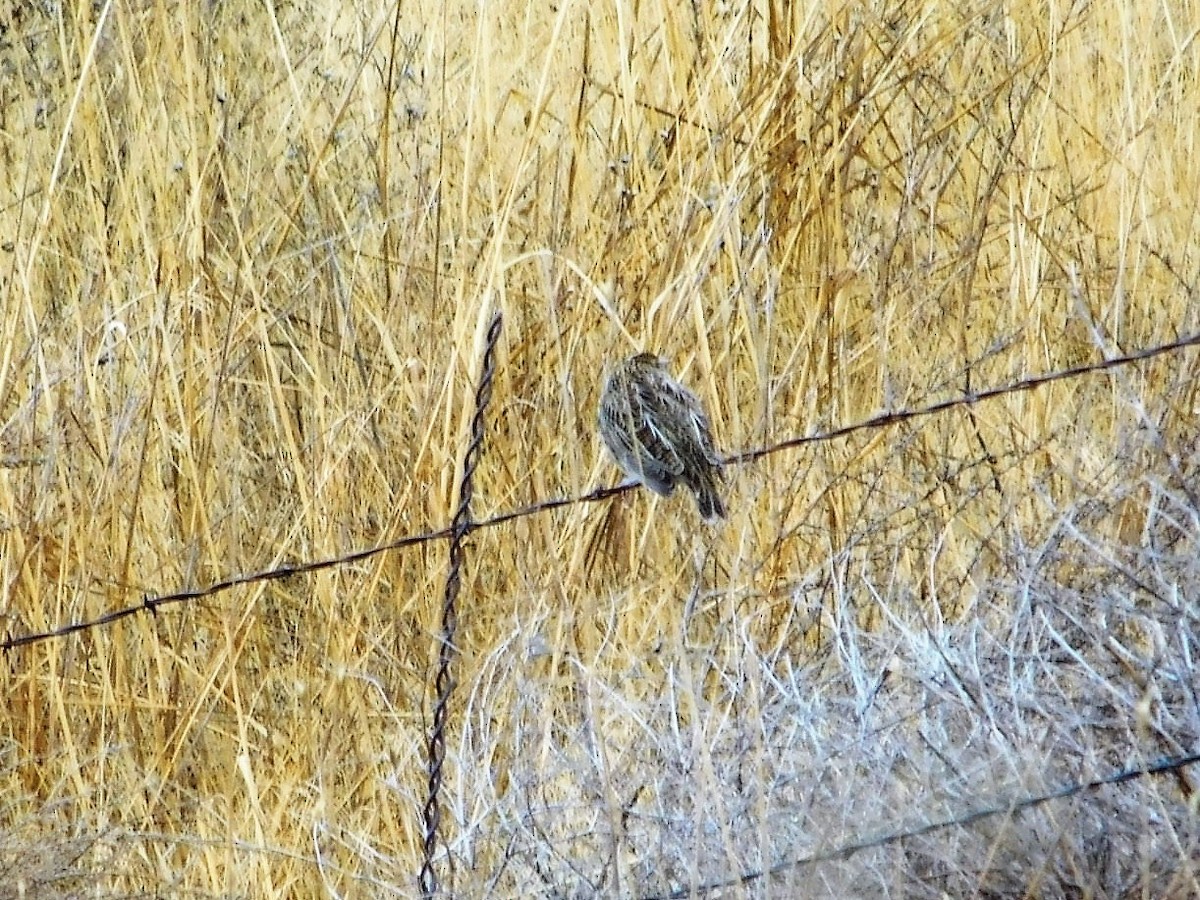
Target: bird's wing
x: 704, y: 439
x: 695, y: 437
x: 651, y: 427
x: 638, y: 447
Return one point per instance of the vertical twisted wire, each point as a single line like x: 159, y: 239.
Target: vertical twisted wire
x: 461, y: 526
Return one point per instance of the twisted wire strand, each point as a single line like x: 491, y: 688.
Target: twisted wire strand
x: 460, y: 528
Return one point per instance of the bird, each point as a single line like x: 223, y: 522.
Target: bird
x: 658, y: 433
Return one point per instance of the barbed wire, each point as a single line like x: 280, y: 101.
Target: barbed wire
x: 973, y: 397
x: 460, y: 529
x: 154, y: 603
x: 1011, y: 807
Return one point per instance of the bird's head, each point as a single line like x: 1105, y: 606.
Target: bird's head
x: 649, y: 361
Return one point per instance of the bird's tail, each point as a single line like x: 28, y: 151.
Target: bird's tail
x: 707, y: 498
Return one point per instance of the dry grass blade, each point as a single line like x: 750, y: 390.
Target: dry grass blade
x: 249, y: 255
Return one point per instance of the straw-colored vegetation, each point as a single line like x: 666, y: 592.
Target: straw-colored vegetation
x: 249, y: 253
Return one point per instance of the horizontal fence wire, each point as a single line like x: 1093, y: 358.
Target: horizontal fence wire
x: 1010, y: 807
x: 152, y: 603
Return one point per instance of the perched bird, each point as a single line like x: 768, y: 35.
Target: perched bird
x: 657, y: 432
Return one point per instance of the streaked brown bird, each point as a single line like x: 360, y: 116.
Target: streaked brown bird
x: 658, y: 433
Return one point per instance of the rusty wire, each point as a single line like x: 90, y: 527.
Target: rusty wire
x: 460, y: 528
x: 151, y: 603
x: 1010, y: 807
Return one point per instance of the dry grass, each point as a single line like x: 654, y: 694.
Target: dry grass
x: 248, y: 254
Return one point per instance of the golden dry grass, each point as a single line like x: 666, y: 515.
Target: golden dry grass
x: 249, y: 254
